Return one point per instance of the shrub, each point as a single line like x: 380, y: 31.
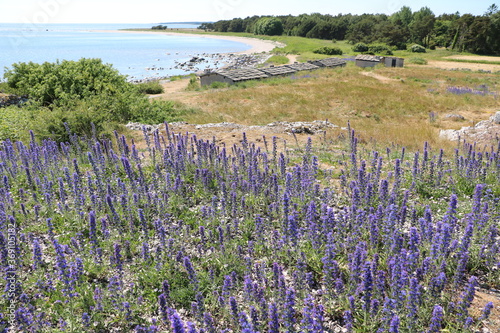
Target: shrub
x: 86, y: 95
x: 193, y: 84
x: 150, y: 88
x: 329, y: 50
x: 360, y: 47
x: 48, y: 83
x: 417, y: 61
x: 417, y: 48
x: 380, y: 48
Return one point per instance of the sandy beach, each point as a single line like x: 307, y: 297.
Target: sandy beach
x: 256, y: 45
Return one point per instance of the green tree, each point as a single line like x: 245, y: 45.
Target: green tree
x: 270, y: 26
x: 422, y: 25
x: 404, y: 15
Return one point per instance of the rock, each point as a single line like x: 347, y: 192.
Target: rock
x: 454, y: 117
x: 496, y: 118
x: 142, y: 127
x: 451, y: 135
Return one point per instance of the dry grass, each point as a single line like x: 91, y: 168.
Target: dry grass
x: 392, y: 106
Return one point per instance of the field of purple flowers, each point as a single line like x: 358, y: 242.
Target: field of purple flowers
x: 189, y: 236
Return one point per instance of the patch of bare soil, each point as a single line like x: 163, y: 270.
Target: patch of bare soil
x: 481, y: 298
x: 381, y: 78
x: 474, y: 58
x: 176, y: 91
x: 462, y: 65
x: 289, y: 136
x: 292, y: 57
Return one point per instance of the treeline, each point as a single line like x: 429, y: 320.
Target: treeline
x: 476, y: 34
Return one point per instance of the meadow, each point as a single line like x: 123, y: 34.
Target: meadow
x: 381, y: 227
x: 188, y: 236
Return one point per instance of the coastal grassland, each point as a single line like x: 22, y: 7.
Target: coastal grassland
x: 401, y: 105
x: 278, y: 59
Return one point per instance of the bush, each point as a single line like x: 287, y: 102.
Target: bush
x: 360, y: 47
x: 49, y: 83
x: 14, y: 122
x: 86, y: 95
x: 417, y: 48
x: 328, y: 50
x: 193, y: 84
x: 150, y: 88
x: 417, y: 61
x: 383, y: 49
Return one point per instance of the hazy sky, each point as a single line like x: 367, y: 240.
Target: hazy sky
x: 155, y: 11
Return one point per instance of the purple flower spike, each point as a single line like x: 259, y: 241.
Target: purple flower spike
x: 437, y: 318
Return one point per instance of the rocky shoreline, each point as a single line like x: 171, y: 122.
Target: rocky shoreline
x: 205, y: 62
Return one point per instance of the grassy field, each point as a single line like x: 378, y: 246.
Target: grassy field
x: 406, y: 106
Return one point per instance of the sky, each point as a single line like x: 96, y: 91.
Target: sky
x: 157, y: 11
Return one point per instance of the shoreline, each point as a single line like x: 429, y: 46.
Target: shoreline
x: 256, y: 45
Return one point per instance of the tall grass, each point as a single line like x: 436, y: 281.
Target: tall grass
x: 344, y: 94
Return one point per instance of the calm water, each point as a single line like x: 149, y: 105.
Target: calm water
x: 137, y: 55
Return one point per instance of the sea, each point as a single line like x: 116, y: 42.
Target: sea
x: 138, y: 56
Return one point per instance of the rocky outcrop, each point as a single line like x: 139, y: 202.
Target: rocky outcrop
x: 484, y: 131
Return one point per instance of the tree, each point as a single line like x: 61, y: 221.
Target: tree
x: 270, y: 26
x: 493, y: 9
x: 404, y: 15
x: 422, y: 25
x: 236, y: 25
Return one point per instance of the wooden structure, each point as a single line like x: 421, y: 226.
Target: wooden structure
x: 329, y: 62
x: 232, y: 76
x: 366, y: 60
x: 278, y: 70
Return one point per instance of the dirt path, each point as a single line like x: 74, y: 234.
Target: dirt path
x: 381, y: 78
x: 292, y: 57
x: 474, y: 58
x: 176, y: 91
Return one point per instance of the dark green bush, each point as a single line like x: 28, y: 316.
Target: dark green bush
x: 380, y: 48
x: 150, y: 88
x: 360, y: 47
x: 417, y: 61
x: 417, y: 48
x: 329, y: 50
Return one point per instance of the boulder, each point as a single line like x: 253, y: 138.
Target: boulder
x: 496, y: 118
x: 454, y: 117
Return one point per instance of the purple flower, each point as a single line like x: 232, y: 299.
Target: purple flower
x: 86, y: 319
x: 394, y: 325
x: 348, y: 320
x: 37, y: 254
x: 176, y: 322
x: 437, y: 318
x: 273, y: 319
x: 486, y: 311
